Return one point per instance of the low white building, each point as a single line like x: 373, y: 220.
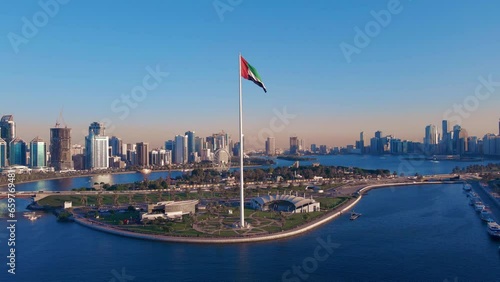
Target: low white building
x: 170, y: 209
x: 68, y: 205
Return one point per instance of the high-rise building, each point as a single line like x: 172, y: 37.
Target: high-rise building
x: 38, y: 152
x: 294, y: 145
x: 499, y: 126
x: 462, y: 142
x: 472, y: 145
x: 142, y: 150
x: 60, y: 149
x: 378, y: 134
x: 431, y: 135
x: 323, y: 150
x: 96, y: 148
x: 170, y: 145
x: 7, y: 130
x: 270, y: 146
x: 116, y: 145
x: 446, y: 143
x: 181, y: 149
x: 190, y: 144
x: 96, y: 128
x: 3, y: 153
x: 361, y: 144
x: 17, y: 154
x: 314, y: 148
x: 199, y: 145
x: 444, y: 125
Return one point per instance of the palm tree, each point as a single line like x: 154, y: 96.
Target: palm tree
x: 115, y: 199
x: 83, y: 199
x: 159, y: 196
x: 99, y: 200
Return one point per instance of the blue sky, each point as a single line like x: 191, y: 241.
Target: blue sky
x: 425, y: 60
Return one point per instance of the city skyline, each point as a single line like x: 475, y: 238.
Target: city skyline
x: 281, y: 140
x: 388, y: 78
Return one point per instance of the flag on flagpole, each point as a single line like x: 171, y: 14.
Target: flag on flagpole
x: 250, y: 73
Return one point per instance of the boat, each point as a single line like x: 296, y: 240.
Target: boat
x: 354, y: 215
x: 31, y: 216
x: 467, y: 187
x: 494, y: 230
x: 472, y: 194
x: 486, y: 215
x: 473, y: 201
x: 479, y: 206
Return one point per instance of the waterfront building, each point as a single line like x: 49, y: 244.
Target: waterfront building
x: 17, y: 152
x: 181, y: 149
x: 38, y: 151
x: 323, y: 150
x: 60, y: 149
x: 142, y: 150
x: 7, y: 130
x: 116, y: 146
x: 270, y: 146
x: 286, y: 203
x: 3, y: 153
x: 170, y: 209
x: 170, y: 145
x: 294, y: 145
x: 96, y: 148
x: 431, y: 139
x: 190, y: 145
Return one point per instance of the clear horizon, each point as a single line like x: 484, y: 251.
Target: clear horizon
x: 409, y: 74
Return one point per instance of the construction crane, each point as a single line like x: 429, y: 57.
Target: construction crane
x: 60, y: 119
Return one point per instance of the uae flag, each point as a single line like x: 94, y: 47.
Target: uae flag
x: 250, y: 73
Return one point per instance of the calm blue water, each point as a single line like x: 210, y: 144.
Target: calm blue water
x: 419, y: 233
x: 392, y: 163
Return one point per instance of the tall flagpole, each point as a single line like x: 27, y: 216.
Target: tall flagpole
x: 242, y: 196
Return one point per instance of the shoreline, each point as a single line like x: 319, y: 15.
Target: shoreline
x: 107, y: 173
x: 260, y: 238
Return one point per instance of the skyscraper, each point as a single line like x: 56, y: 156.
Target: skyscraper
x: 142, y: 150
x: 190, y: 144
x: 170, y: 145
x: 60, y: 149
x: 270, y: 146
x: 378, y: 134
x: 431, y: 135
x: 96, y: 128
x: 294, y: 145
x: 181, y: 149
x: 445, y: 128
x: 361, y: 143
x: 3, y: 153
x: 116, y: 145
x: 17, y: 154
x: 446, y: 144
x: 38, y: 150
x: 7, y: 130
x: 96, y: 148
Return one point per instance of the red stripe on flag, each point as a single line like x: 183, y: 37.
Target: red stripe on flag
x: 244, y: 68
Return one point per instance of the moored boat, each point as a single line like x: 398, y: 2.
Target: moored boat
x: 479, y: 206
x: 354, y: 215
x: 486, y: 215
x: 494, y: 230
x: 467, y: 187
